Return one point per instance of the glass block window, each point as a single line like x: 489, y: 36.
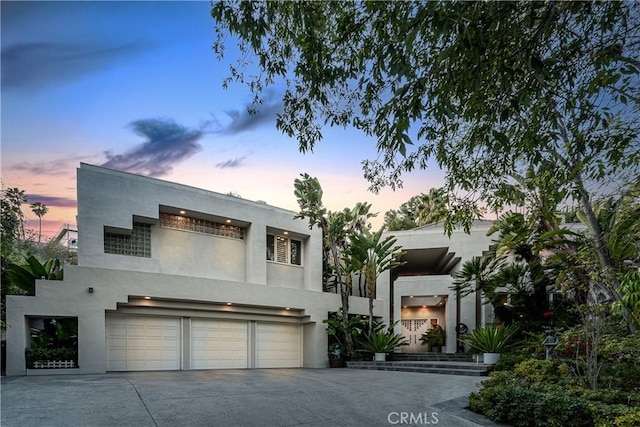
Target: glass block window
x: 138, y: 243
x: 180, y: 222
x: 284, y: 250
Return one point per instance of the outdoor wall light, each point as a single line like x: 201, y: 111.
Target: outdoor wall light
x: 90, y: 290
x: 229, y: 303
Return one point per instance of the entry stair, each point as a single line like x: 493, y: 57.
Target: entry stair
x: 430, y: 363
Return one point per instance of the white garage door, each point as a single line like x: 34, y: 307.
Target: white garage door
x: 219, y: 344
x: 143, y: 343
x: 278, y: 345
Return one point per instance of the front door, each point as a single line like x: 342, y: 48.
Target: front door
x: 412, y: 330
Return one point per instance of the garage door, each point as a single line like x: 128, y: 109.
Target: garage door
x: 278, y: 345
x: 143, y: 343
x: 219, y: 344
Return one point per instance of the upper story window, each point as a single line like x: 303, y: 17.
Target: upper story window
x: 138, y: 243
x: 284, y: 250
x: 180, y: 222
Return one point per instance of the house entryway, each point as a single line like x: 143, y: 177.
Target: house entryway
x: 420, y: 314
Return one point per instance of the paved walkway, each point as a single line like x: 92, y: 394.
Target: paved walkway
x: 266, y: 397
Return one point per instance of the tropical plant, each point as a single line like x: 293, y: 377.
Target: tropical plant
x: 11, y: 236
x: 425, y: 208
x: 383, y: 339
x: 478, y: 276
x: 40, y: 209
x: 57, y: 340
x: 629, y: 298
x: 490, y: 338
x: 24, y: 276
x: 435, y: 336
x: 335, y: 351
x: 338, y: 333
x: 372, y: 255
x: 337, y: 227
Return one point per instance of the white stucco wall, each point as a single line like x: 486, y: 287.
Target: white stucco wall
x: 112, y: 198
x: 200, y: 255
x: 110, y: 287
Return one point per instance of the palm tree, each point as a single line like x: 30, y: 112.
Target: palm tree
x: 40, y: 209
x: 336, y: 228
x: 478, y: 275
x: 432, y: 207
x: 373, y: 255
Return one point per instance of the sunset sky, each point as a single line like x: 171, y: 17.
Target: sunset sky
x: 135, y: 86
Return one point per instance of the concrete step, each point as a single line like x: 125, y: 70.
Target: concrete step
x: 435, y: 367
x: 457, y: 357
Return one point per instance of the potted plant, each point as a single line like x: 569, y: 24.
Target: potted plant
x: 490, y: 340
x: 381, y: 341
x: 336, y: 359
x: 435, y: 337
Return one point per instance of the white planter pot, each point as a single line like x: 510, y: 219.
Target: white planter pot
x: 380, y: 357
x: 491, y: 358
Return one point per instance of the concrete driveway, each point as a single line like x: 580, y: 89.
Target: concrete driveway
x: 266, y: 397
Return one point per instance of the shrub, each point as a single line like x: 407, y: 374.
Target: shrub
x: 523, y: 406
x: 613, y: 397
x: 45, y: 354
x: 614, y: 415
x: 510, y: 359
x: 542, y: 372
x: 621, y: 357
x: 630, y: 419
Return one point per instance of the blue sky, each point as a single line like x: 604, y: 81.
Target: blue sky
x: 136, y: 86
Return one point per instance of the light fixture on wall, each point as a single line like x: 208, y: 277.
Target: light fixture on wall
x: 147, y: 297
x: 228, y: 221
x: 229, y: 303
x: 90, y: 290
x: 182, y: 212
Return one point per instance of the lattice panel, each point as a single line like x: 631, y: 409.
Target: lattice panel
x: 203, y: 226
x: 137, y: 244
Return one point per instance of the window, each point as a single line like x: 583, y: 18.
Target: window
x: 180, y: 222
x: 138, y: 243
x: 284, y: 250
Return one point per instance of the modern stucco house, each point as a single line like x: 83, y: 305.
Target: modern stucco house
x: 172, y: 277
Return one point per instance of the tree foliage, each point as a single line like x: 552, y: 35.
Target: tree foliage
x: 370, y: 255
x: 484, y: 88
x: 40, y: 210
x: 337, y: 229
x: 24, y: 276
x: 419, y: 210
